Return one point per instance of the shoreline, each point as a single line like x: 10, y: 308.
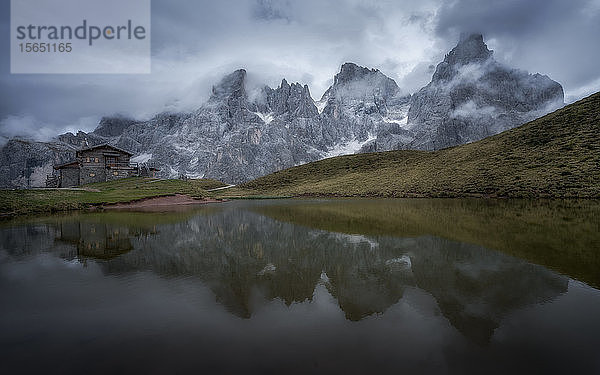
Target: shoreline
x: 164, y: 201
x: 179, y: 201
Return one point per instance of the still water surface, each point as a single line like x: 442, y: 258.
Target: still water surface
x: 328, y: 286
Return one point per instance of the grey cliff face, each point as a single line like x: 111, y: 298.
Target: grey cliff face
x: 25, y: 164
x: 113, y: 126
x: 241, y: 133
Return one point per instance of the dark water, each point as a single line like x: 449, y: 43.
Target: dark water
x: 346, y: 286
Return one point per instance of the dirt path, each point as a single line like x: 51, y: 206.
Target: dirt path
x: 222, y: 188
x: 161, y: 202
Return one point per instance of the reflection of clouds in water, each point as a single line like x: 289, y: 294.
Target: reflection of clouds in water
x: 354, y: 239
x: 402, y: 262
x: 269, y: 268
x: 492, y: 265
x: 45, y: 265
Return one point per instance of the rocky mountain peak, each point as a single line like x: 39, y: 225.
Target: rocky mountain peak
x: 351, y: 72
x: 354, y: 82
x: 470, y: 49
x: 232, y: 85
x: 284, y: 84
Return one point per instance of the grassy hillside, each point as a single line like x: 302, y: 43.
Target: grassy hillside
x: 557, y: 155
x: 14, y: 202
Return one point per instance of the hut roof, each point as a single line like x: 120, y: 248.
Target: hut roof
x: 105, y: 145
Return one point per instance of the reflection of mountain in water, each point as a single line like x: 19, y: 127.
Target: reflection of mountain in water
x: 241, y: 255
x: 476, y: 287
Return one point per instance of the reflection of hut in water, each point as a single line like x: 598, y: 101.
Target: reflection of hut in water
x: 96, y: 240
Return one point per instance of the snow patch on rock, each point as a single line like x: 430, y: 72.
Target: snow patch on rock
x: 349, y: 147
x: 321, y: 104
x: 141, y: 158
x: 267, y: 118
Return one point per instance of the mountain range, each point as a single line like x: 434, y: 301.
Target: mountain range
x: 240, y: 134
x: 554, y: 156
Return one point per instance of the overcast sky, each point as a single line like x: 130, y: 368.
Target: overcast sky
x: 194, y: 43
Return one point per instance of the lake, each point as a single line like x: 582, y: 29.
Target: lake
x: 442, y: 286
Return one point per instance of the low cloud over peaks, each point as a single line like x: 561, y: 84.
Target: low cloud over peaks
x: 194, y: 44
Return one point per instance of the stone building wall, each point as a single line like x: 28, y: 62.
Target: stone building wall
x: 69, y: 177
x: 92, y: 173
x: 116, y: 173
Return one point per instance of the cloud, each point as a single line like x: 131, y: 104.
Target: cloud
x: 470, y: 110
x: 30, y: 127
x: 195, y: 43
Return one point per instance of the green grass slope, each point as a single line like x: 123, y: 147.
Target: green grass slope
x: 16, y: 202
x: 557, y: 156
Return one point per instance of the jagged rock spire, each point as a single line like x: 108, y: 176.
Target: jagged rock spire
x: 470, y: 49
x: 231, y: 85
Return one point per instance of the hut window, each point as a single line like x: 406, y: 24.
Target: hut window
x: 92, y: 174
x: 97, y: 160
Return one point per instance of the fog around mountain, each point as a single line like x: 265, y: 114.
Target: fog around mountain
x: 194, y: 44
